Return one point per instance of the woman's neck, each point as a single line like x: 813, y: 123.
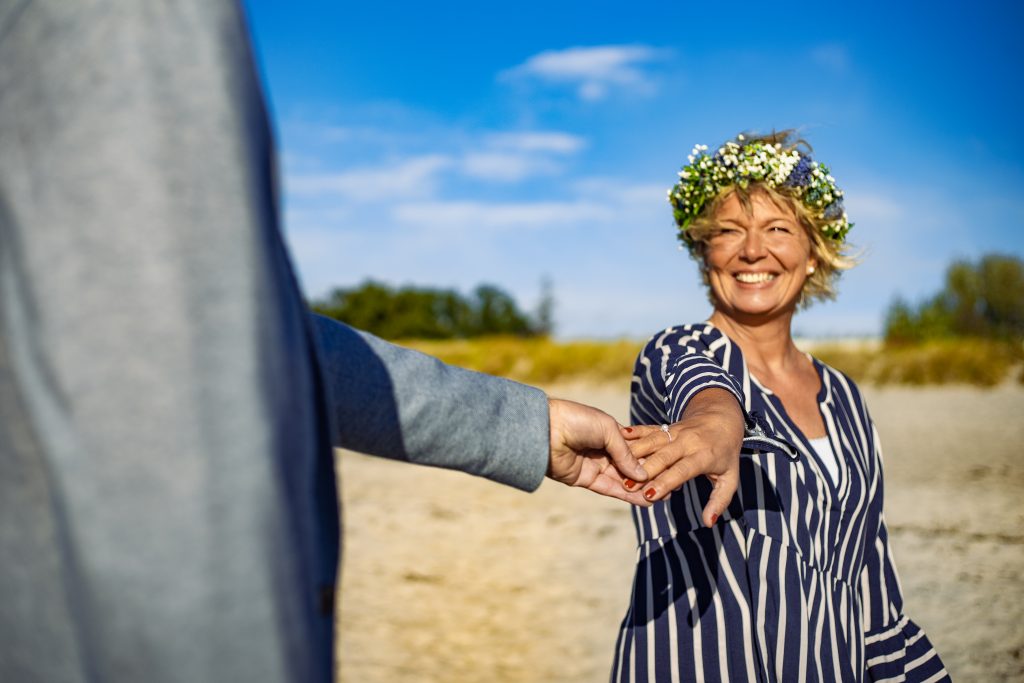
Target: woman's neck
x: 767, y: 344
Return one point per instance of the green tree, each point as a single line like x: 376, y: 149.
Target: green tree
x: 1002, y: 295
x: 497, y: 313
x: 426, y: 313
x: 983, y: 299
x: 545, y: 317
x: 901, y: 323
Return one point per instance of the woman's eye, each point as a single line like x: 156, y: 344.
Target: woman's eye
x: 778, y: 228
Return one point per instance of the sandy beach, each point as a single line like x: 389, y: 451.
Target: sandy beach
x: 455, y: 579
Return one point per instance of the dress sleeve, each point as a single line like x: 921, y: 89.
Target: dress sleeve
x: 691, y: 373
x: 673, y: 368
x: 678, y: 364
x: 895, y: 648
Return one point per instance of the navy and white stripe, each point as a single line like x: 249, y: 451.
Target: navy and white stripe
x: 795, y: 582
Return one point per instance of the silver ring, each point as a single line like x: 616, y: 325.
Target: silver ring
x: 664, y: 428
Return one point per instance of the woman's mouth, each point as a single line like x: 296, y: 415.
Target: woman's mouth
x: 754, y: 278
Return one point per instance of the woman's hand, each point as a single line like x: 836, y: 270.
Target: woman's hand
x: 706, y: 441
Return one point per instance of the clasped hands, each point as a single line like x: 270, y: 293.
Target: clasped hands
x: 643, y: 464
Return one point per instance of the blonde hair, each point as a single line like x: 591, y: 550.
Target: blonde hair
x: 832, y: 255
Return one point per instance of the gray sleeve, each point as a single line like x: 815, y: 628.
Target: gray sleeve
x: 397, y: 403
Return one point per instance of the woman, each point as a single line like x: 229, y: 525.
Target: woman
x: 795, y: 580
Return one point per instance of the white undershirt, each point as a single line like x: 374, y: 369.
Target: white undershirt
x: 823, y: 448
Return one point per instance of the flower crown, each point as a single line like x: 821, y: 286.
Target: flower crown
x: 741, y: 163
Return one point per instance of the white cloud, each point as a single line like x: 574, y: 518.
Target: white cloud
x: 497, y: 157
x: 515, y: 156
x: 592, y: 71
x: 460, y: 215
x: 537, y: 141
x: 503, y: 167
x: 602, y: 202
x: 415, y: 177
x: 615, y: 191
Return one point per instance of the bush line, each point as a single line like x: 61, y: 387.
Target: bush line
x: 541, y: 360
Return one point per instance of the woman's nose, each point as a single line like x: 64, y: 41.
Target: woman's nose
x: 753, y: 246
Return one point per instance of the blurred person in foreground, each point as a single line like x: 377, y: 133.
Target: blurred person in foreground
x: 795, y: 581
x: 168, y: 406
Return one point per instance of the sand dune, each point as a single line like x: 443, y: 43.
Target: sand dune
x: 450, y: 578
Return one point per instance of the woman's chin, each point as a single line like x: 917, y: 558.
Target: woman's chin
x: 754, y: 309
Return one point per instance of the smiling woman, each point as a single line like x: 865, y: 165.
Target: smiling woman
x: 758, y: 259
x: 824, y: 227
x: 795, y: 581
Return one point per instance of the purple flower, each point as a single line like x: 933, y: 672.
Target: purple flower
x: 800, y: 176
x: 834, y: 210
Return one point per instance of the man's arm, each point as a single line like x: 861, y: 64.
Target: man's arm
x: 397, y: 403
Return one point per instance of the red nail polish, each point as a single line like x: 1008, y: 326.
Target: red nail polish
x: 650, y: 493
x: 629, y: 430
x: 628, y: 483
x: 714, y: 518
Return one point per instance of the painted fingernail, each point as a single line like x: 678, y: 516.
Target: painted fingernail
x: 714, y: 518
x: 650, y: 493
x: 629, y: 430
x: 628, y: 483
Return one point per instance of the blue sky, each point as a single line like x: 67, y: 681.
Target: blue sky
x: 454, y: 143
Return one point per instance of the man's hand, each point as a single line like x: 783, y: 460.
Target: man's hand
x: 706, y: 441
x: 588, y: 450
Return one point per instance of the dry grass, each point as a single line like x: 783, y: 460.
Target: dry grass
x: 976, y: 362
x: 538, y: 360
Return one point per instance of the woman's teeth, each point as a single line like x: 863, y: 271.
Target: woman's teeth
x: 753, y: 278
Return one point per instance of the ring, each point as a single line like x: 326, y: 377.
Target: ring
x: 664, y: 428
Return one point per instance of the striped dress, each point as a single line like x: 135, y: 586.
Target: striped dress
x: 796, y: 580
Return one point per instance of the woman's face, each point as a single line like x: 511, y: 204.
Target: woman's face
x: 757, y: 262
